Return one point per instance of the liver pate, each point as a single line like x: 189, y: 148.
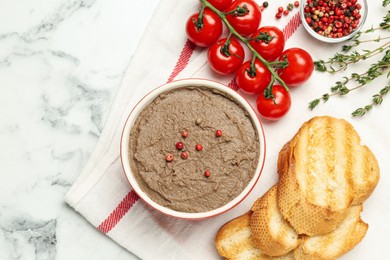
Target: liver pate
x: 181, y: 184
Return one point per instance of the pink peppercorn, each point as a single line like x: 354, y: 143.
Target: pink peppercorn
x: 179, y: 145
x: 184, y: 155
x: 169, y: 157
x: 199, y: 147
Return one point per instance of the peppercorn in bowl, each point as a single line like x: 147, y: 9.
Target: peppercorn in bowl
x: 333, y: 21
x: 193, y: 148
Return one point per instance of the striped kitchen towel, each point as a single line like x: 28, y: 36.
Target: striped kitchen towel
x: 102, y: 194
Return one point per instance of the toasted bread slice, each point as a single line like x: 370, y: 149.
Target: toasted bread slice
x: 271, y: 233
x: 336, y: 243
x: 234, y: 241
x: 365, y: 171
x: 318, y: 177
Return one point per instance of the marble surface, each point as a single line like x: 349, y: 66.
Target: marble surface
x: 61, y: 62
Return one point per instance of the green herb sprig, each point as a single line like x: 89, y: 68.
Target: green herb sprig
x: 341, y: 61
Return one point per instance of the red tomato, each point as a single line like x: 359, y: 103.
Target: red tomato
x: 208, y: 33
x: 253, y: 84
x: 246, y: 23
x: 274, y: 109
x: 268, y: 41
x: 299, y: 69
x: 226, y: 62
x: 220, y: 4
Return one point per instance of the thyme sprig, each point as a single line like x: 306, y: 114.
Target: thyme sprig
x: 340, y: 88
x: 377, y: 99
x: 341, y: 61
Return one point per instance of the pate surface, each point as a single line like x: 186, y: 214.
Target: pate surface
x: 181, y: 184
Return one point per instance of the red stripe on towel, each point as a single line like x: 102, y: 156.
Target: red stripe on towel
x: 292, y: 26
x: 183, y: 60
x: 115, y: 216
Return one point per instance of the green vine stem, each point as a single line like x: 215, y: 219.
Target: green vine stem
x: 267, y: 64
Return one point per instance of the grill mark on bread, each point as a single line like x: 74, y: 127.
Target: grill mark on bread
x: 350, y: 155
x: 331, y: 147
x: 305, y: 159
x: 341, y: 190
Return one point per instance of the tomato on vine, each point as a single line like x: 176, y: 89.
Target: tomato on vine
x: 225, y: 56
x: 204, y: 28
x: 276, y: 105
x: 268, y: 41
x: 253, y: 77
x: 220, y: 4
x: 244, y: 16
x: 299, y: 69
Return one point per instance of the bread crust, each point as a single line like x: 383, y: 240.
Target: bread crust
x: 336, y: 243
x: 231, y: 248
x: 271, y: 233
x: 234, y: 241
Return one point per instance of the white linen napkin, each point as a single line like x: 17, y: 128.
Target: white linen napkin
x: 104, y: 197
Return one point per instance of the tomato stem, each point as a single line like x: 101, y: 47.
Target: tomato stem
x: 199, y: 22
x: 239, y: 11
x: 252, y: 68
x: 263, y: 36
x: 267, y: 64
x: 268, y: 90
x: 225, y: 47
x: 280, y: 64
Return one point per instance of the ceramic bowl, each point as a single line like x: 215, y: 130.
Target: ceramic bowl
x: 124, y: 149
x: 363, y: 13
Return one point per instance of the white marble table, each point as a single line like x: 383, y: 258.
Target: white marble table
x: 61, y: 62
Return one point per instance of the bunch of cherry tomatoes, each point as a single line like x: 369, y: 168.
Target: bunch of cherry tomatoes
x: 270, y: 62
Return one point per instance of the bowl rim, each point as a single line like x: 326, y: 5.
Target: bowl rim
x: 146, y: 100
x: 328, y: 39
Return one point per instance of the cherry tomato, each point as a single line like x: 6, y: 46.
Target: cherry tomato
x: 208, y: 33
x: 247, y: 22
x: 226, y: 59
x: 268, y: 41
x: 256, y: 83
x: 220, y: 4
x: 299, y: 69
x: 274, y: 109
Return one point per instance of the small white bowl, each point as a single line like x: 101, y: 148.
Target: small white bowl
x: 124, y: 149
x: 363, y: 13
